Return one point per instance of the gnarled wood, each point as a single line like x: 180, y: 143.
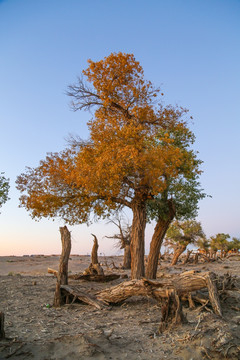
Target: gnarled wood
x: 94, y: 254
x: 76, y: 293
x: 62, y: 276
x: 160, y: 230
x: 94, y: 268
x: 159, y: 289
x: 213, y: 293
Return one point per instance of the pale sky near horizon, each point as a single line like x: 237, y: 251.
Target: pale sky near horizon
x: 191, y: 48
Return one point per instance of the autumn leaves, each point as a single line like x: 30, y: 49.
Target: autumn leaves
x: 136, y: 148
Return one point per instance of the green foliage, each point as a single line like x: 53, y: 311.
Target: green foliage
x: 203, y: 243
x: 4, y: 189
x: 184, y: 233
x: 219, y: 242
x: 234, y: 244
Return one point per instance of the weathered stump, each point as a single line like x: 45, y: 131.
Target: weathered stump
x: 94, y: 254
x: 62, y: 276
x: 172, y: 313
x: 2, y: 332
x: 94, y: 268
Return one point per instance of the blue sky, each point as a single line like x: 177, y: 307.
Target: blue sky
x: 190, y: 48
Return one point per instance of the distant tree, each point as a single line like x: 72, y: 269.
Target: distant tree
x: 4, y: 189
x: 203, y: 244
x: 220, y: 242
x: 129, y: 154
x: 234, y: 244
x: 123, y: 239
x: 181, y: 234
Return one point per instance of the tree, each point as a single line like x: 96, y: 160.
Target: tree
x: 204, y: 244
x: 179, y: 199
x: 234, y: 244
x: 126, y: 160
x: 4, y: 189
x: 220, y: 242
x: 181, y: 234
x: 123, y: 238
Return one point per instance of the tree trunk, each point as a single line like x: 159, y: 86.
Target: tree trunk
x: 156, y: 243
x: 196, y: 258
x: 187, y: 257
x: 62, y: 278
x: 94, y: 268
x: 180, y: 249
x: 137, y: 242
x: 2, y: 332
x: 127, y: 257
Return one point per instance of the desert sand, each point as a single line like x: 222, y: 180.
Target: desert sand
x: 34, y: 329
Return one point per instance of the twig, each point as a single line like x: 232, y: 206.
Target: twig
x: 199, y: 320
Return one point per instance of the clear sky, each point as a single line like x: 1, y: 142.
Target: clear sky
x: 191, y: 48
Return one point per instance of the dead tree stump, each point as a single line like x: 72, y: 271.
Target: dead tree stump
x: 62, y: 276
x: 2, y: 332
x: 172, y: 313
x: 94, y: 254
x: 94, y: 268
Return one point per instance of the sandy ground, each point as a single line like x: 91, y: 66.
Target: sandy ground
x: 36, y: 330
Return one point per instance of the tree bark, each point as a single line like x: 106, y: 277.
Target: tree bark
x: 2, y: 332
x: 127, y: 257
x: 157, y: 240
x: 179, y: 250
x: 137, y: 242
x: 62, y: 278
x: 94, y: 254
x: 94, y: 268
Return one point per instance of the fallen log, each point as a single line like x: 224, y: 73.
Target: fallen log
x: 169, y: 292
x: 88, y: 277
x: 160, y: 289
x: 97, y: 278
x: 76, y: 293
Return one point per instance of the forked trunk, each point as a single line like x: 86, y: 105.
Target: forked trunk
x: 127, y: 257
x: 156, y: 243
x: 180, y: 249
x: 137, y: 241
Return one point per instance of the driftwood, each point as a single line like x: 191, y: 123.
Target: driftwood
x: 62, y: 276
x: 2, y: 332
